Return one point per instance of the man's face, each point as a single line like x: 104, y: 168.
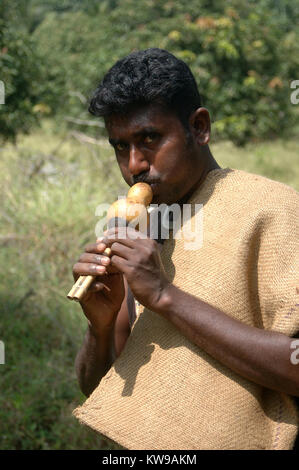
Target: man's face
x: 151, y: 145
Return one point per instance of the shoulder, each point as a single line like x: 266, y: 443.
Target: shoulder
x: 261, y: 186
x: 255, y: 193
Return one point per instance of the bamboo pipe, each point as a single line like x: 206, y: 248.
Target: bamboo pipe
x: 139, y: 197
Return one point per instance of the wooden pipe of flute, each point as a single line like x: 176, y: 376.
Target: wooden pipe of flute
x: 134, y: 206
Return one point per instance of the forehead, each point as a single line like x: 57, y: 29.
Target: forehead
x: 142, y: 118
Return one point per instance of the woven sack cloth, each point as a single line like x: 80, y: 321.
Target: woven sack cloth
x: 164, y: 392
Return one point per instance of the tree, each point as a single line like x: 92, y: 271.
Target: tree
x: 244, y: 54
x: 20, y: 73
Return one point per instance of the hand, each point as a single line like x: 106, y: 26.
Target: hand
x: 138, y: 258
x: 103, y: 300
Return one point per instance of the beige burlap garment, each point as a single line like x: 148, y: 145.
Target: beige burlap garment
x: 164, y: 392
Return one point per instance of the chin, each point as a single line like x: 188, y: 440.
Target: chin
x: 163, y: 200
x: 156, y: 200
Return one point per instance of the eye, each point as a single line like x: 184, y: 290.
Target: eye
x: 149, y: 138
x: 120, y: 147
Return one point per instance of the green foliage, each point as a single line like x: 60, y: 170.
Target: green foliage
x: 21, y: 73
x: 243, y: 55
x: 30, y: 80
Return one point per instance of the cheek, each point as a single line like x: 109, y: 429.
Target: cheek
x: 172, y: 164
x: 124, y: 170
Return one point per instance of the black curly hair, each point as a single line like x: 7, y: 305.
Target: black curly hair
x: 151, y: 76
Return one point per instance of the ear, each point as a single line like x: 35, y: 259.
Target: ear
x: 200, y: 125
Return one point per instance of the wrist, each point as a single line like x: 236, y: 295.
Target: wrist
x: 166, y: 299
x: 101, y: 331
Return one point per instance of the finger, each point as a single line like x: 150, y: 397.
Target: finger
x: 97, y: 287
x: 119, y: 263
x: 120, y: 238
x: 121, y: 250
x: 95, y: 247
x: 79, y: 270
x: 94, y: 259
x: 88, y: 269
x: 123, y: 232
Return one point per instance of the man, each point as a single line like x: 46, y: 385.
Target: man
x: 208, y: 362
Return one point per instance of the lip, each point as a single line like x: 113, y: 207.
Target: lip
x: 155, y: 187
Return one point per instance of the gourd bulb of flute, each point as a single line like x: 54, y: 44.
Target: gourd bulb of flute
x: 141, y: 193
x: 126, y: 209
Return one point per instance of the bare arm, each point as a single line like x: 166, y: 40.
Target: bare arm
x: 261, y: 356
x: 99, y: 351
x: 105, y: 307
x: 94, y: 359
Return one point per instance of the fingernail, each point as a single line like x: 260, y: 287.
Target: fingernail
x: 101, y: 246
x: 100, y: 269
x: 105, y: 261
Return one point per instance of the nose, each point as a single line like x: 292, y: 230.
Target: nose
x: 138, y: 162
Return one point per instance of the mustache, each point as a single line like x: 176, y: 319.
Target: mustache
x: 145, y: 178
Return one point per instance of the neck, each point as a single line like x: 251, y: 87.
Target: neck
x: 206, y: 163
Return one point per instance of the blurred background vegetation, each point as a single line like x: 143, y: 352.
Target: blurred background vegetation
x: 56, y: 165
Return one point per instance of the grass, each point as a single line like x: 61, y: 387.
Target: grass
x: 276, y: 160
x: 50, y: 188
x: 51, y: 185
